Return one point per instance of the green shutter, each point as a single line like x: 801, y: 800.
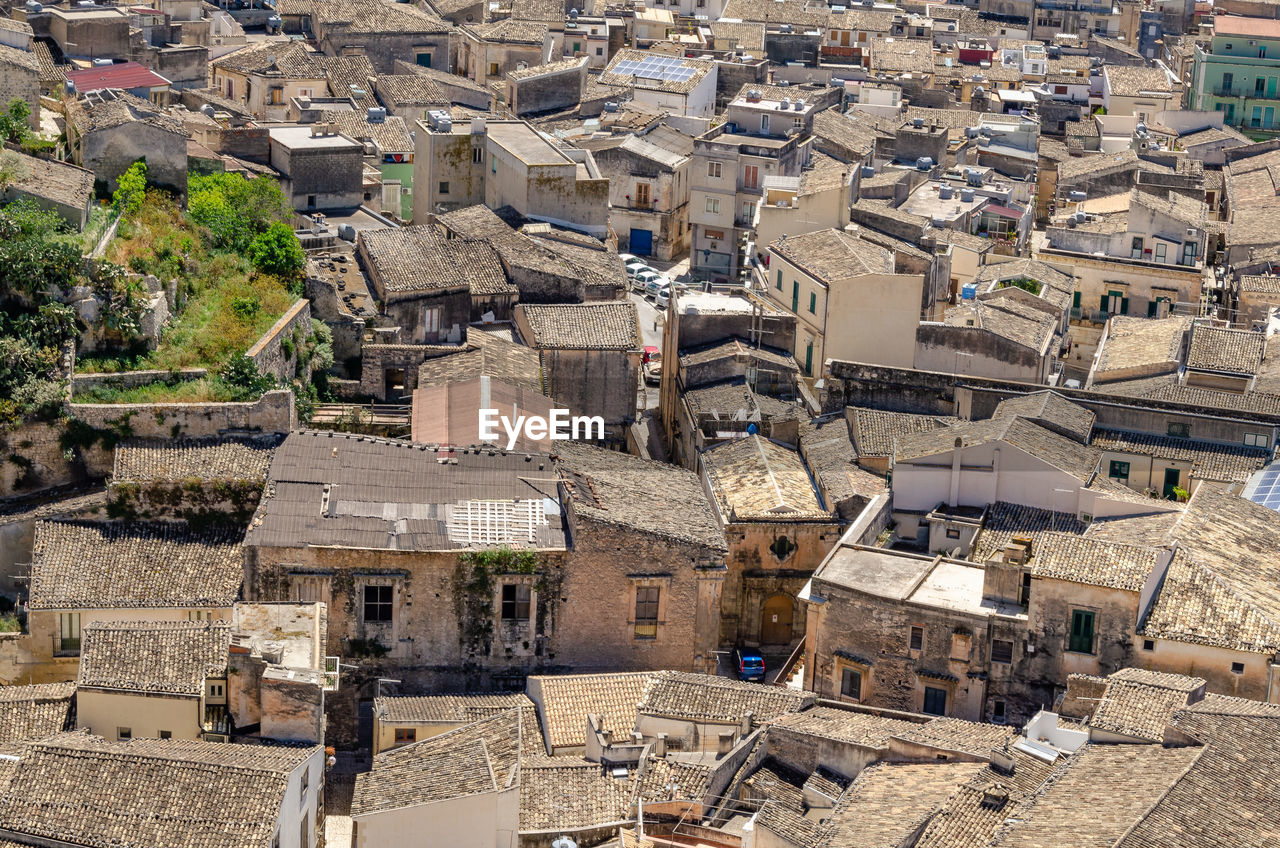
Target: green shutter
x: 1124, y: 306
x: 1081, y: 640
x: 1151, y: 308
x: 1103, y: 305
x: 1075, y: 300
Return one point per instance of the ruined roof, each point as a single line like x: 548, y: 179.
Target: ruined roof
x: 364, y: 492
x: 446, y: 708
x: 1057, y: 287
x: 412, y: 260
x: 679, y: 694
x: 1050, y: 409
x: 25, y: 59
x: 83, y: 790
x: 31, y: 713
x: 169, y: 657
x: 110, y: 108
x: 756, y: 479
x: 830, y: 255
x: 1224, y: 350
x: 609, y: 325
x: 567, y: 699
x: 640, y: 494
x: 112, y: 565
x: 208, y: 458
x: 1082, y: 559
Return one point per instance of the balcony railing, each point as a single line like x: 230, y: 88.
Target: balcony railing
x: 1228, y: 92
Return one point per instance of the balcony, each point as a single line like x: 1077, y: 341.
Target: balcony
x: 1228, y: 92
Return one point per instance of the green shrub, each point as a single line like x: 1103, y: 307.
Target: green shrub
x: 277, y: 251
x: 131, y: 188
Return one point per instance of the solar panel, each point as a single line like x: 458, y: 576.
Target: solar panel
x: 665, y: 68
x: 1264, y: 488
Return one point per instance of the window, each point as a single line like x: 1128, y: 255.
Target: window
x: 643, y: 197
x: 1136, y: 250
x: 998, y: 712
x: 953, y: 532
x: 423, y: 59
x: 304, y: 837
x: 813, y: 303
x: 1179, y: 429
x: 166, y: 734
x: 377, y: 603
x: 477, y: 155
x: 1001, y: 650
x: 1256, y: 440
x: 1025, y: 597
x: 713, y: 169
x: 935, y: 701
x: 764, y: 123
x: 493, y: 165
x: 599, y: 51
x: 1237, y: 668
x: 1118, y: 470
x: 1115, y: 303
x: 1161, y: 250
x: 493, y: 69
x: 431, y: 319
x: 647, y: 611
x: 444, y: 186
x: 779, y: 279
x: 748, y: 212
x: 751, y: 176
x: 577, y: 47
x: 1148, y: 644
x: 713, y: 205
x: 1075, y: 299
x: 311, y: 201
x: 199, y: 615
x: 1081, y: 638
x: 306, y: 781
x: 851, y: 683
x: 1259, y: 86
x: 406, y: 735
x: 917, y: 638
x: 124, y: 734
x: 515, y: 602
x: 69, y: 633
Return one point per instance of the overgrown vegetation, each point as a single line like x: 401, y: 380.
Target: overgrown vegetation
x: 1025, y: 283
x: 15, y: 128
x: 9, y: 623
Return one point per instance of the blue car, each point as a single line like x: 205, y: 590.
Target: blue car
x: 750, y: 664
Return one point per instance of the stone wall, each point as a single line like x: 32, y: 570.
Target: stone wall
x: 198, y: 502
x: 133, y: 379
x: 276, y: 353
x: 547, y: 92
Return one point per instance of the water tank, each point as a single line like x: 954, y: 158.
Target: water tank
x: 799, y: 104
x: 1081, y: 217
x: 1077, y: 196
x: 979, y: 91
x: 972, y: 177
x: 868, y: 171
x: 102, y: 63
x: 939, y: 223
x: 274, y: 23
x: 564, y: 842
x: 918, y: 123
x: 966, y: 194
x: 207, y: 109
x: 924, y: 163
x: 611, y: 106
x: 786, y: 103
x: 971, y: 132
x: 69, y: 87
x: 946, y: 192
x: 376, y: 115
x: 346, y: 232
x: 33, y: 7
x: 969, y: 291
x: 477, y: 125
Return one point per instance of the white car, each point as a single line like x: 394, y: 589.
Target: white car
x: 628, y: 258
x: 634, y: 267
x: 649, y: 281
x: 662, y: 298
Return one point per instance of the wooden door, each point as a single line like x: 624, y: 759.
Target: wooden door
x: 775, y: 623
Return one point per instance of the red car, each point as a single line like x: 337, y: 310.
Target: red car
x: 650, y: 353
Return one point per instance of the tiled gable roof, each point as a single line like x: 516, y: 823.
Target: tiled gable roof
x: 830, y: 255
x: 83, y: 790
x: 1051, y: 410
x: 627, y: 491
x: 485, y: 355
x: 678, y: 694
x: 567, y: 700
x: 1005, y: 520
x: 211, y: 458
x: 446, y: 708
x: 1008, y: 318
x: 92, y: 565
x: 410, y: 90
x: 889, y: 802
x: 31, y: 713
x: 1054, y: 450
x: 758, y: 479
x: 855, y: 728
x: 953, y: 734
x: 290, y: 59
x: 876, y: 431
x: 1141, y: 704
x: 1222, y: 349
x: 1209, y: 460
x: 555, y: 798
x: 612, y: 325
x: 170, y: 657
x: 978, y: 808
x: 410, y: 260
x: 1081, y: 559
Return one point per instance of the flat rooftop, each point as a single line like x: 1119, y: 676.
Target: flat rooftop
x: 706, y: 303
x: 525, y: 143
x: 927, y: 202
x: 300, y: 138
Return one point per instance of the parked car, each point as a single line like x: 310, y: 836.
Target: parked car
x: 635, y: 266
x: 650, y: 353
x: 653, y: 370
x: 655, y: 284
x: 662, y: 298
x: 749, y: 663
x: 649, y: 281
x: 628, y: 258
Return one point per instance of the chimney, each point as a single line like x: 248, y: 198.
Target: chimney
x: 725, y: 742
x: 748, y: 719
x: 660, y: 747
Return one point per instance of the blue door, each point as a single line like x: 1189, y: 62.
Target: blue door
x: 641, y: 242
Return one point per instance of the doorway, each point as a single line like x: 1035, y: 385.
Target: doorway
x: 1171, y: 478
x: 775, y: 622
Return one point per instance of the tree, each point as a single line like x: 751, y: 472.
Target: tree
x: 235, y: 210
x: 131, y: 188
x: 277, y: 251
x: 14, y: 126
x: 242, y: 376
